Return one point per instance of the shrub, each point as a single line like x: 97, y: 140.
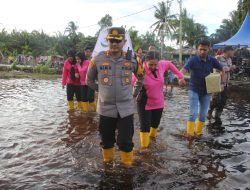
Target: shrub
x: 13, y: 66
x: 44, y: 69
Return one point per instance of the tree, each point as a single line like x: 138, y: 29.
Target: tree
x: 149, y: 39
x: 105, y: 22
x: 72, y: 34
x: 136, y: 40
x: 88, y: 41
x: 192, y: 31
x: 164, y: 25
x: 71, y: 29
x: 230, y: 26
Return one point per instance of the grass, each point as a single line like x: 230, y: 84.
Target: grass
x: 22, y: 74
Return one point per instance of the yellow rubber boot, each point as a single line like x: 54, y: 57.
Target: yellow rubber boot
x: 85, y: 106
x: 198, y: 127
x: 79, y: 105
x: 92, y: 106
x: 127, y: 158
x: 144, y: 139
x: 108, y: 154
x: 153, y: 132
x: 70, y: 105
x: 190, y: 128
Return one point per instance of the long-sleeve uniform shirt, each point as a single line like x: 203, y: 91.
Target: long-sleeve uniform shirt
x: 225, y: 62
x: 114, y: 84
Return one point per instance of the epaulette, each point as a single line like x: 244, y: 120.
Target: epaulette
x: 91, y: 63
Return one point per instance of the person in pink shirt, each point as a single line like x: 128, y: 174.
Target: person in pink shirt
x: 69, y: 79
x: 150, y: 101
x: 86, y: 95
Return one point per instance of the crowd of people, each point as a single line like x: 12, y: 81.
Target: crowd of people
x: 122, y: 80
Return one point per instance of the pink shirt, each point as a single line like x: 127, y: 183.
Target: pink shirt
x: 66, y: 79
x: 82, y: 70
x: 154, y: 86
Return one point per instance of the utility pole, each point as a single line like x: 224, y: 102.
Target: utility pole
x: 164, y: 30
x: 180, y: 32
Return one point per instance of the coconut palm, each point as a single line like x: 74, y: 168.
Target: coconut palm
x: 71, y: 29
x: 164, y: 25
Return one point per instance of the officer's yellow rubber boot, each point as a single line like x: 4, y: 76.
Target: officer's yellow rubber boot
x: 127, y: 158
x: 108, y: 154
x: 198, y: 127
x: 70, y: 105
x: 153, y: 132
x: 92, y: 106
x: 79, y: 105
x: 190, y: 128
x: 144, y: 139
x: 85, y: 106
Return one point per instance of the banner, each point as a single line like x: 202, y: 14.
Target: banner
x: 102, y: 44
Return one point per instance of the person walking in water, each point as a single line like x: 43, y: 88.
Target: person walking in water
x: 69, y: 79
x: 113, y: 70
x: 199, y: 66
x: 219, y: 99
x: 150, y: 101
x: 82, y: 67
x: 91, y: 92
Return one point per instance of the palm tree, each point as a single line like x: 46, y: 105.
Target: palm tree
x: 71, y: 29
x: 164, y: 24
x: 72, y: 34
x: 192, y: 31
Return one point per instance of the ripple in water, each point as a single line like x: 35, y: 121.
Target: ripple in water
x: 44, y: 147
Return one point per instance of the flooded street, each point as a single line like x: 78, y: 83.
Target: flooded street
x: 42, y: 146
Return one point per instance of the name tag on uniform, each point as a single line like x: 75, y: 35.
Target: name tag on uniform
x: 105, y: 66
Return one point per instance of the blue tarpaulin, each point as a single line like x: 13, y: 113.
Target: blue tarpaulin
x: 242, y: 37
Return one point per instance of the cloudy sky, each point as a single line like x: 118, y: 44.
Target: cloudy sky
x: 52, y: 16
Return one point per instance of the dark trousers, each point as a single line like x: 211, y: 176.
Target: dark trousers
x: 148, y: 118
x: 125, y: 129
x: 87, y: 94
x: 73, y: 90
x: 218, y: 102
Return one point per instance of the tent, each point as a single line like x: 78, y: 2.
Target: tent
x: 242, y: 37
x: 102, y: 44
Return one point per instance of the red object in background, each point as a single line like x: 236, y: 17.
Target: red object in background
x: 219, y: 52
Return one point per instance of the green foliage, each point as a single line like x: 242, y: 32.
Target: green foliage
x: 149, y: 39
x: 164, y: 24
x: 13, y: 66
x: 105, y: 21
x: 136, y: 39
x: 230, y: 26
x: 192, y: 32
x: 44, y: 69
x: 38, y: 43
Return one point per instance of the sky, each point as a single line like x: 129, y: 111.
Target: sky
x: 52, y: 16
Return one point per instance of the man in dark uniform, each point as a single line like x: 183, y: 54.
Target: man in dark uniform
x: 113, y: 69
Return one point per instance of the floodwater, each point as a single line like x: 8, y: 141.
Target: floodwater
x: 42, y: 146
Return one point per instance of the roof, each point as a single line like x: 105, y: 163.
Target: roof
x: 242, y: 37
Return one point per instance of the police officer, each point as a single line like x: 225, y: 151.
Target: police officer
x: 219, y: 100
x: 115, y: 104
